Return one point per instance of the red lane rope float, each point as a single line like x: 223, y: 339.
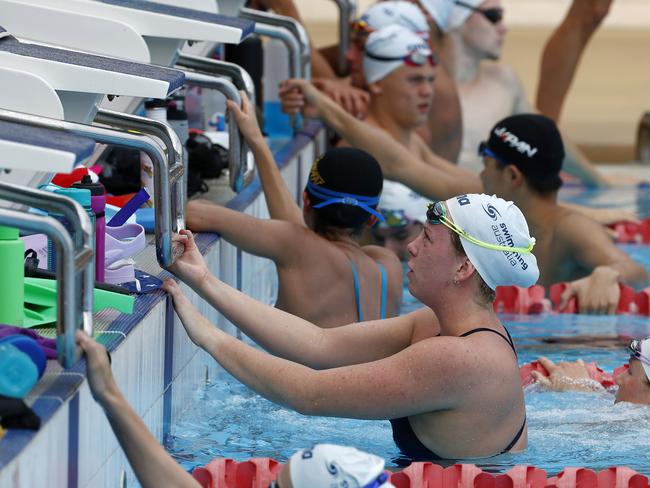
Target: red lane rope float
x: 529, y: 301
x: 632, y: 232
x: 259, y: 472
x: 597, y: 374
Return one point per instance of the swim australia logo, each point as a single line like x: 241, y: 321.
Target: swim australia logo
x: 514, y: 142
x: 491, y: 211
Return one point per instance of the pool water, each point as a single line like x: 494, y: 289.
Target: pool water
x: 564, y: 429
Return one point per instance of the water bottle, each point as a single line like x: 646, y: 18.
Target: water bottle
x: 12, y: 264
x: 98, y: 206
x: 156, y: 110
x: 18, y: 373
x: 82, y: 197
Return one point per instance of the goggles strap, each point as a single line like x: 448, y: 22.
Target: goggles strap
x: 331, y: 197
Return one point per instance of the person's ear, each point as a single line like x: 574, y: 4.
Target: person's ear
x: 305, y: 201
x: 464, y: 271
x: 372, y: 221
x: 514, y: 176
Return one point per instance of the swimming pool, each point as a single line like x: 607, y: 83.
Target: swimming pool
x: 565, y: 429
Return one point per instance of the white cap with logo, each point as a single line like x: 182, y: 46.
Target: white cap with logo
x: 439, y: 10
x: 495, y: 222
x: 399, y: 199
x: 332, y: 466
x: 460, y: 13
x: 400, y: 12
x: 387, y: 48
x: 645, y: 351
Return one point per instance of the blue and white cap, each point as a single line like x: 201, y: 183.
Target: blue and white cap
x: 461, y: 12
x: 439, y: 10
x: 403, y: 13
x: 387, y: 48
x: 332, y: 466
x: 496, y: 221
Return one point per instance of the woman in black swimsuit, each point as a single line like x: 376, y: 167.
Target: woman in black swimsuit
x: 446, y: 374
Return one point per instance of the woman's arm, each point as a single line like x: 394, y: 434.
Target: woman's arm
x: 153, y: 466
x: 289, y: 336
x: 396, y: 161
x: 408, y: 382
x: 278, y: 198
x: 273, y: 239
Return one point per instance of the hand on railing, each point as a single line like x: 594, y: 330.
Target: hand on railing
x: 297, y: 96
x: 190, y: 265
x: 246, y: 119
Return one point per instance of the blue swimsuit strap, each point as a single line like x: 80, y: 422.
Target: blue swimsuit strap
x: 331, y: 196
x: 384, y: 290
x: 357, y: 291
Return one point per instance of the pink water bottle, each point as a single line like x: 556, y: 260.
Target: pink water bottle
x: 98, y: 205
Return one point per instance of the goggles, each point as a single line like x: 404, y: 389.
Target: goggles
x: 635, y: 351
x: 484, y: 150
x: 331, y: 197
x: 494, y: 15
x: 436, y: 214
x: 414, y: 58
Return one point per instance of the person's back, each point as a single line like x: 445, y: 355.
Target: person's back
x: 324, y: 275
x: 319, y: 284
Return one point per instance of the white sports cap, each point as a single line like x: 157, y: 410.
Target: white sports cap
x: 332, y: 466
x: 461, y: 12
x: 495, y: 221
x: 402, y: 13
x: 386, y: 49
x: 401, y: 205
x: 439, y: 10
x: 645, y: 352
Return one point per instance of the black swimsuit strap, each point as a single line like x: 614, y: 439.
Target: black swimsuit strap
x: 508, y: 339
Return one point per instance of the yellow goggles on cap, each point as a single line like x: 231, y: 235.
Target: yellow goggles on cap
x: 436, y: 214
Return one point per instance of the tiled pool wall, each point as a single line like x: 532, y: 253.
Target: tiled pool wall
x: 156, y: 365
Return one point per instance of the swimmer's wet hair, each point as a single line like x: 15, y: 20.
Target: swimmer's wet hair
x: 345, y: 170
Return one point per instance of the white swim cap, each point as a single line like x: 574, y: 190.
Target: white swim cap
x: 332, y: 466
x: 387, y: 49
x: 644, y: 349
x: 439, y: 10
x: 400, y: 205
x: 403, y: 13
x: 495, y: 221
x: 461, y: 12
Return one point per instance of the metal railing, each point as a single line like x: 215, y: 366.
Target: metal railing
x: 73, y: 253
x: 643, y: 139
x: 240, y: 172
x: 290, y: 32
x: 347, y: 13
x: 238, y: 75
x: 164, y: 176
x: 173, y: 146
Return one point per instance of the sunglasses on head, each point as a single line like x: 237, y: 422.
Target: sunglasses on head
x: 635, y: 351
x: 437, y: 214
x: 493, y: 14
x: 414, y: 58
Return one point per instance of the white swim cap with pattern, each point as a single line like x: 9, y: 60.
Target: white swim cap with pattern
x: 403, y: 13
x: 329, y: 465
x: 460, y: 13
x: 402, y: 203
x: 392, y: 43
x: 495, y: 222
x: 645, y: 351
x: 439, y: 10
